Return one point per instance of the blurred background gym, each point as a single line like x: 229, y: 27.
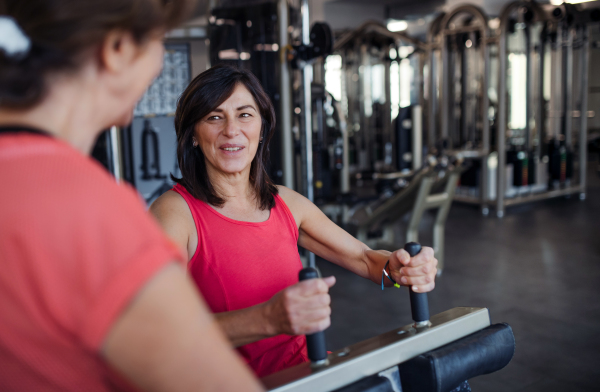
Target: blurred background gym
x: 470, y: 127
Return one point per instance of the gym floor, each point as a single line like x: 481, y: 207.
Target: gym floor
x: 537, y: 269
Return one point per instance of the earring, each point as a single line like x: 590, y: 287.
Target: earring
x: 195, y: 143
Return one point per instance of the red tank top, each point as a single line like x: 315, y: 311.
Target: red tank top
x: 241, y: 264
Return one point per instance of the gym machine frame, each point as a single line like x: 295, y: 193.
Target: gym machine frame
x: 352, y: 42
x: 558, y: 110
x: 447, y: 30
x: 427, y: 190
x: 387, y: 357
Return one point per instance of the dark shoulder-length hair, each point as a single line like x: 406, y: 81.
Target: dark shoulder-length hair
x: 204, y: 94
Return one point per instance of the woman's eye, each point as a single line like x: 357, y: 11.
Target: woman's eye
x: 245, y: 115
x: 214, y: 118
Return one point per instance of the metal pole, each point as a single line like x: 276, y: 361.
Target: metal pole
x: 585, y: 58
x: 568, y: 106
x: 365, y: 98
x: 501, y: 131
x: 556, y: 83
x: 432, y: 125
x: 307, y: 75
x: 529, y: 50
x: 285, y: 119
x: 445, y: 97
x: 485, y: 121
x: 540, y: 125
x: 387, y: 114
x: 417, y: 137
x: 116, y: 148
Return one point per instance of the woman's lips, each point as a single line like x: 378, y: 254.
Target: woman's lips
x: 229, y: 148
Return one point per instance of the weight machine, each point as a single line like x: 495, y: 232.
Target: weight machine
x: 546, y: 149
x: 514, y: 102
x: 432, y: 354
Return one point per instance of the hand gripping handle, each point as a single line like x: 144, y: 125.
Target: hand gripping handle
x: 315, y: 342
x: 418, y: 301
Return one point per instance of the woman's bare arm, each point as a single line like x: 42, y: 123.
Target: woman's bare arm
x: 321, y: 236
x: 166, y: 340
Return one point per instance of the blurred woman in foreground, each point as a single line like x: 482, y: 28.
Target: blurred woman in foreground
x: 93, y: 296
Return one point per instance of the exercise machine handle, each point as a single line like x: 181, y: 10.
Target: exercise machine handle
x: 418, y: 301
x: 315, y: 342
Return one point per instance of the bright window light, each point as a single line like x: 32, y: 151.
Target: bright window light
x: 406, y: 79
x: 518, y: 91
x: 395, y: 88
x: 378, y: 83
x: 397, y: 25
x: 333, y: 75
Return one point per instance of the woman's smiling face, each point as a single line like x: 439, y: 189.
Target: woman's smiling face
x: 229, y: 135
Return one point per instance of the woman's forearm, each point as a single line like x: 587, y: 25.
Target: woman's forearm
x: 245, y: 325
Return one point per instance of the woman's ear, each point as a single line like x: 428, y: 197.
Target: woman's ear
x: 118, y: 51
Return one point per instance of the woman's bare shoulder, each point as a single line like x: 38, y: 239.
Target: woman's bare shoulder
x: 289, y: 195
x: 170, y: 206
x: 298, y: 205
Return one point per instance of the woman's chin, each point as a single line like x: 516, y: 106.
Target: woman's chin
x: 231, y: 170
x: 124, y: 120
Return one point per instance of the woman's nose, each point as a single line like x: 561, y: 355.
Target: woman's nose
x: 231, y: 129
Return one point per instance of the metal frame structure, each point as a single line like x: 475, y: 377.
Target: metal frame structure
x: 426, y: 200
x: 449, y: 29
x: 562, y: 105
x: 352, y: 44
x: 428, y: 189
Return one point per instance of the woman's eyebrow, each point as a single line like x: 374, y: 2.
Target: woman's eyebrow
x: 247, y: 107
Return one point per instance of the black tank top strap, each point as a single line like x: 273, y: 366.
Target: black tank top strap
x: 12, y: 129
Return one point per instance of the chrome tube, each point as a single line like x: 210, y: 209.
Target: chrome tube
x: 285, y: 120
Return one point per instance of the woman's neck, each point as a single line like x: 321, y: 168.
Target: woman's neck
x: 235, y: 188
x: 66, y: 113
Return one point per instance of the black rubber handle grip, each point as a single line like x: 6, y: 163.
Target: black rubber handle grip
x: 315, y: 342
x: 418, y: 301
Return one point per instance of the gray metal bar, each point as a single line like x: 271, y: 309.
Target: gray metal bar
x: 529, y: 96
x: 543, y: 196
x: 502, y: 113
x: 431, y: 126
x: 388, y: 132
x: 412, y: 233
x: 485, y: 121
x: 285, y: 120
x: 417, y: 137
x: 540, y: 125
x: 444, y: 99
x: 116, y: 148
x: 380, y: 353
x: 307, y: 75
x: 365, y: 129
x: 556, y: 84
x: 568, y: 106
x: 439, y: 225
x: 583, y: 128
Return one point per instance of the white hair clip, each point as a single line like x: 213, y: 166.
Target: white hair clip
x: 13, y: 40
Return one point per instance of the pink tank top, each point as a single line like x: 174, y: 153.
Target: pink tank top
x: 241, y: 264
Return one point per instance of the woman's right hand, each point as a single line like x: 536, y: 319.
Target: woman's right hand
x: 300, y: 309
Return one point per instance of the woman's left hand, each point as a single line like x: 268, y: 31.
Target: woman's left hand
x: 418, y: 272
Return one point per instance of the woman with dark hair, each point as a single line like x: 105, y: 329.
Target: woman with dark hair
x: 241, y: 232
x: 93, y: 295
